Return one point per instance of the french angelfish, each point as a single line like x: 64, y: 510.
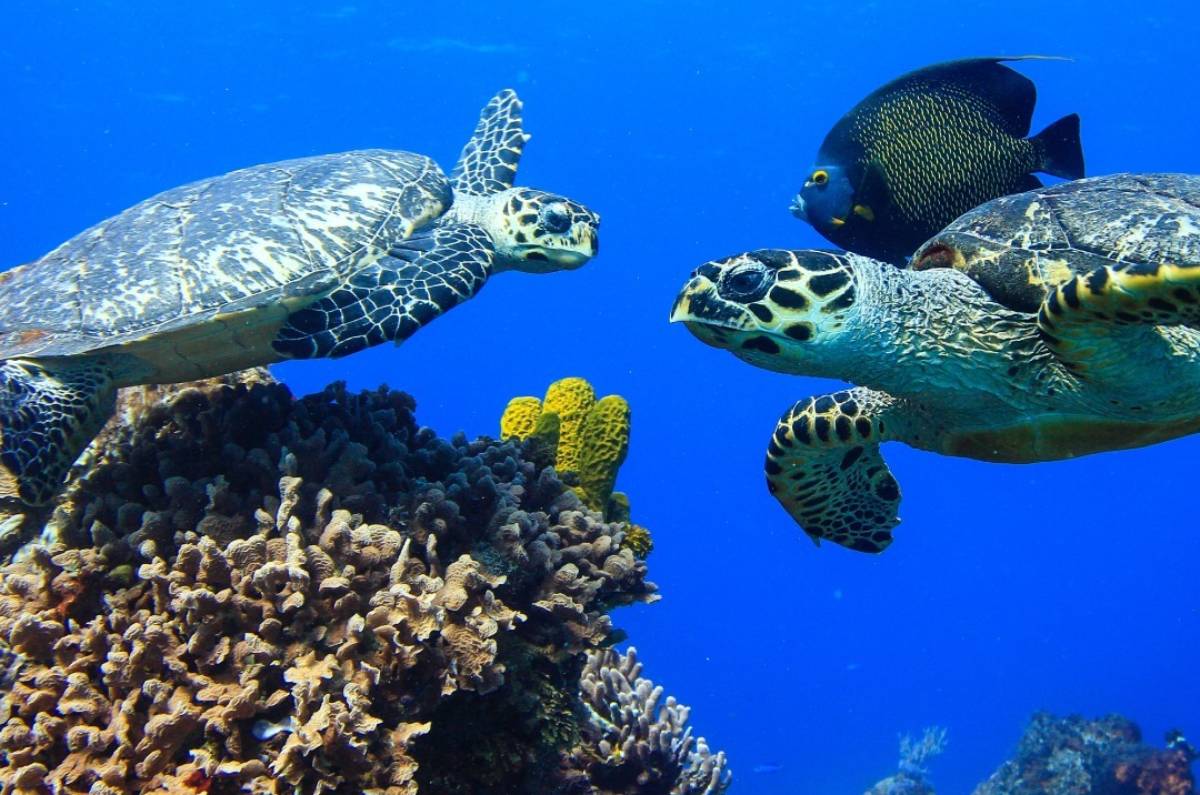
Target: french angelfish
x: 926, y: 148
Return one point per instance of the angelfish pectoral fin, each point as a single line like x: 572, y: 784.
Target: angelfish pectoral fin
x: 864, y: 212
x: 835, y: 222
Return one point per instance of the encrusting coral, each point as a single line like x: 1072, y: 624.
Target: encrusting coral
x: 245, y: 592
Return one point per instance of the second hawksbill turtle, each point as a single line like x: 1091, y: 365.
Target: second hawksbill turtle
x: 315, y: 257
x: 1046, y: 325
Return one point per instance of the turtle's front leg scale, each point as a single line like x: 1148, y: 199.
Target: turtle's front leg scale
x: 823, y: 465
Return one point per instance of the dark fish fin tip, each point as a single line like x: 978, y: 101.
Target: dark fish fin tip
x: 1061, y: 148
x: 1066, y: 58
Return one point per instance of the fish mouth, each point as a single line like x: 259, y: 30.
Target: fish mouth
x: 798, y: 207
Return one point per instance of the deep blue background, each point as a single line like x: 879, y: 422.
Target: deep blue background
x: 1068, y: 586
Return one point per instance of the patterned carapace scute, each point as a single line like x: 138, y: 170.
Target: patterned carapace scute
x: 239, y: 590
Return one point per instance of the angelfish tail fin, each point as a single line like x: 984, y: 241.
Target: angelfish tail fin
x: 50, y: 410
x: 1061, y: 151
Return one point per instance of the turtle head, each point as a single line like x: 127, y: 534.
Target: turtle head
x: 826, y: 200
x: 539, y: 232
x: 780, y: 310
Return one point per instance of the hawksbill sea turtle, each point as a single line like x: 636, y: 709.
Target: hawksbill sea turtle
x: 315, y: 257
x: 1046, y: 325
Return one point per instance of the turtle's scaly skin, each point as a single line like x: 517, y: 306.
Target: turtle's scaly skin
x: 1107, y: 358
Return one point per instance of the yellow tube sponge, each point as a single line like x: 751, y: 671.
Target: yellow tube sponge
x: 604, y: 444
x: 571, y: 399
x: 520, y: 418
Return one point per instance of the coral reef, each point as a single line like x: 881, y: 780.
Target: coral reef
x: 644, y: 742
x: 912, y: 774
x: 587, y: 439
x: 1075, y: 756
x: 240, y: 591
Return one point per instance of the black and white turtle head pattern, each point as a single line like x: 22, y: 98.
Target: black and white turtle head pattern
x: 780, y: 310
x: 538, y: 232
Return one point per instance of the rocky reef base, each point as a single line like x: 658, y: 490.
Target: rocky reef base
x: 244, y: 592
x: 1106, y: 756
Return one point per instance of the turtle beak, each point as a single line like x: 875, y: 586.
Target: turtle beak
x: 699, y: 304
x: 591, y: 236
x: 692, y: 292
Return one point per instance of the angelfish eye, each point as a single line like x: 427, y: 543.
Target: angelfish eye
x: 820, y: 177
x: 746, y: 283
x: 556, y: 219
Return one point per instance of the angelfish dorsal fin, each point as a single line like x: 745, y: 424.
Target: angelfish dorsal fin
x: 488, y: 163
x: 1011, y: 93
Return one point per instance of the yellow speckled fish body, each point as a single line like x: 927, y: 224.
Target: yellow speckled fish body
x: 933, y: 144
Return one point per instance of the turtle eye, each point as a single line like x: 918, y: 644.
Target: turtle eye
x: 820, y: 177
x: 555, y: 218
x: 745, y: 283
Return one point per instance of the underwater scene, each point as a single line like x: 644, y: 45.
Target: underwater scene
x: 827, y: 424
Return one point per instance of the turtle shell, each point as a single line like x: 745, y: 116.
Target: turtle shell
x: 249, y: 240
x: 1018, y: 247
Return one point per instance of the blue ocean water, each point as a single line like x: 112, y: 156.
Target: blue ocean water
x: 1069, y: 586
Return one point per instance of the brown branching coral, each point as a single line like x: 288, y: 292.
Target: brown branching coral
x: 642, y: 743
x: 246, y: 591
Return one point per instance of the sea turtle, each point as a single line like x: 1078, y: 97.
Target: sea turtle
x: 1066, y: 324
x: 320, y: 256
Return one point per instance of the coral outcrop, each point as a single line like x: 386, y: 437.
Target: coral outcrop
x: 246, y: 592
x: 912, y: 773
x: 644, y: 741
x: 1075, y: 756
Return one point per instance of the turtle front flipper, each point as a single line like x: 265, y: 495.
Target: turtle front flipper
x: 823, y: 465
x: 488, y: 163
x: 418, y: 280
x: 1077, y: 319
x: 49, y: 412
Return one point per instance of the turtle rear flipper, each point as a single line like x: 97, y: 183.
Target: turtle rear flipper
x: 418, y: 280
x: 50, y: 410
x: 1077, y: 318
x: 823, y: 465
x: 488, y: 162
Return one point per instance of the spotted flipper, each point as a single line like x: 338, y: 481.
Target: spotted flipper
x: 419, y: 279
x: 823, y: 465
x: 488, y: 163
x: 49, y: 411
x: 1079, y: 319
